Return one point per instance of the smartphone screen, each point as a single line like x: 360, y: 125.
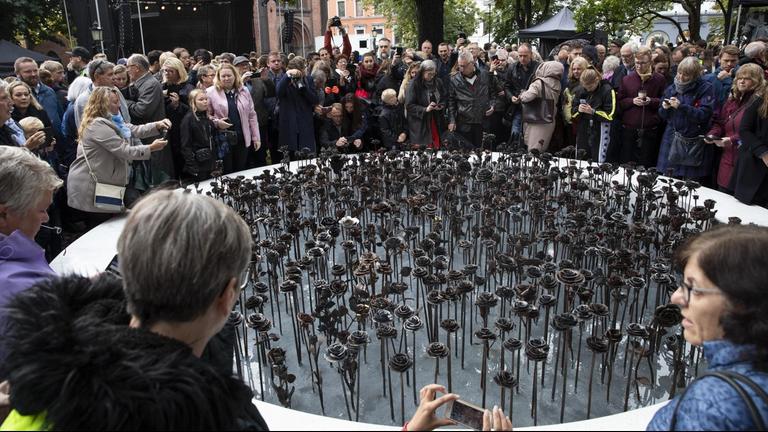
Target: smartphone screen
x: 467, y: 414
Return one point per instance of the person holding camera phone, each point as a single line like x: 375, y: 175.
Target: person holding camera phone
x: 230, y: 107
x: 434, y: 412
x: 105, y: 152
x: 297, y: 101
x: 639, y: 97
x: 593, y: 114
x: 687, y: 107
x: 425, y: 101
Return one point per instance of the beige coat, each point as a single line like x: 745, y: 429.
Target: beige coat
x: 538, y: 136
x: 109, y: 155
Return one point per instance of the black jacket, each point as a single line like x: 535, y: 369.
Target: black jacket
x: 329, y: 134
x: 417, y: 98
x: 392, y: 123
x: 73, y: 358
x: 196, y: 134
x: 750, y: 172
x: 518, y: 78
x: 467, y: 103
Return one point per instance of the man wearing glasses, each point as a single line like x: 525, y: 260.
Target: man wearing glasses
x: 627, y: 55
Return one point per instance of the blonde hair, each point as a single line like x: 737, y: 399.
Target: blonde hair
x: 165, y: 56
x: 589, y: 77
x: 192, y: 96
x: 176, y: 64
x: 751, y: 71
x: 389, y: 97
x: 33, y: 101
x: 31, y: 125
x: 217, y: 79
x: 577, y: 61
x: 97, y: 107
x: 52, y: 66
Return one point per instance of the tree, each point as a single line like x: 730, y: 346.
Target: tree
x: 510, y: 16
x: 636, y: 15
x: 436, y: 20
x: 31, y: 20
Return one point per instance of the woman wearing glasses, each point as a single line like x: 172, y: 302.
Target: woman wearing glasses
x: 724, y: 307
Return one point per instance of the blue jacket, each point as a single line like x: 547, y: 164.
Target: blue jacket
x: 722, y: 88
x: 47, y: 98
x: 711, y: 403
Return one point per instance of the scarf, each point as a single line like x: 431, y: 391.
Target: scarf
x: 125, y: 132
x: 682, y: 87
x: 368, y: 74
x: 645, y: 77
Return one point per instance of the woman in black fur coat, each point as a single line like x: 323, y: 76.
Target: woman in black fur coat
x: 107, y: 354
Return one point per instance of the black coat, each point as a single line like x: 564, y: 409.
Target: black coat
x: 196, y: 134
x: 467, y: 103
x: 295, y: 113
x: 392, y: 123
x: 417, y: 98
x: 73, y: 358
x: 750, y: 174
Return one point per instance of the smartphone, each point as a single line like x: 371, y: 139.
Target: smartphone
x: 582, y: 101
x: 164, y: 134
x: 712, y: 138
x: 465, y: 413
x: 48, y: 136
x: 462, y: 35
x: 399, y: 50
x: 494, y: 57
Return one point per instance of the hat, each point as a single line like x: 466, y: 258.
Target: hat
x: 81, y: 52
x: 239, y: 60
x: 502, y: 54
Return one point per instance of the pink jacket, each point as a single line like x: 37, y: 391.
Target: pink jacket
x: 218, y: 109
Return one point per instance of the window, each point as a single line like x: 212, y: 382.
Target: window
x: 360, y: 30
x: 378, y: 29
x: 359, y: 8
x: 341, y: 8
x: 363, y: 44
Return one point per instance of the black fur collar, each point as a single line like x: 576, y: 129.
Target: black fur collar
x: 72, y: 355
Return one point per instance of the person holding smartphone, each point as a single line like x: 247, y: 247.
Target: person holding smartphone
x: 425, y: 101
x: 594, y: 110
x: 687, y: 107
x: 431, y: 414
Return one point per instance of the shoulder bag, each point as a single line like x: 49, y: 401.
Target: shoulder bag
x: 540, y: 110
x: 686, y: 151
x: 734, y: 380
x: 106, y: 196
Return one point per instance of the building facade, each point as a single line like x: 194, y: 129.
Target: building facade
x: 363, y: 24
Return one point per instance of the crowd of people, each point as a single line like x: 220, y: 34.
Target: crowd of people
x: 695, y: 111
x: 86, y: 140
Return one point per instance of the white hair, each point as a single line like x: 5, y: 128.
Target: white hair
x: 467, y: 56
x: 611, y: 63
x: 754, y: 49
x: 139, y: 60
x: 78, y: 87
x: 631, y: 45
x: 24, y: 178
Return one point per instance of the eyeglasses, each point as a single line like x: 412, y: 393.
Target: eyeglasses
x: 688, y: 288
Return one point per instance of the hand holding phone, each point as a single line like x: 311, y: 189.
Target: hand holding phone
x: 465, y: 413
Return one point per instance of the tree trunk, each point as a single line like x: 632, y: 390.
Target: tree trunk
x: 693, y: 8
x: 429, y: 19
x: 727, y: 14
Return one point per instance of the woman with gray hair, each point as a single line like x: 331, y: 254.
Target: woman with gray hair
x: 425, y: 100
x: 27, y: 185
x: 136, y: 344
x: 687, y: 108
x: 610, y: 64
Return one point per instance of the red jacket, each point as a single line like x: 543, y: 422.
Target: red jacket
x: 726, y: 123
x: 632, y: 116
x: 346, y: 45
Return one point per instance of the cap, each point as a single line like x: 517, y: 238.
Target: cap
x: 240, y: 60
x: 81, y: 52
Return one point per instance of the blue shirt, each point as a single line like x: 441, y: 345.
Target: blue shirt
x: 711, y: 403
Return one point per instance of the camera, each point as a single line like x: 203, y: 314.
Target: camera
x: 335, y: 22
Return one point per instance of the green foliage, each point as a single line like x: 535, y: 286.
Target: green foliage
x: 635, y: 16
x: 460, y: 16
x: 31, y: 20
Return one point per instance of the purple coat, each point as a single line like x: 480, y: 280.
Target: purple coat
x: 22, y: 264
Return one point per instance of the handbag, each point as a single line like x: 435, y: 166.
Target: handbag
x: 686, y: 151
x: 734, y: 380
x: 539, y: 110
x: 106, y: 196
